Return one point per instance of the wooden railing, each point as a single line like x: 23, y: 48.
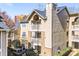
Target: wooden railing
x: 75, y: 26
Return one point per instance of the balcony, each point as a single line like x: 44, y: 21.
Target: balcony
x: 35, y: 41
x: 75, y: 38
x: 75, y: 27
x: 35, y: 27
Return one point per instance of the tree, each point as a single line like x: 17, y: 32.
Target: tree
x: 16, y: 43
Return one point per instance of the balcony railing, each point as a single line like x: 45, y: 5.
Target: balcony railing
x: 75, y: 38
x: 75, y: 27
x: 35, y: 27
x: 35, y: 41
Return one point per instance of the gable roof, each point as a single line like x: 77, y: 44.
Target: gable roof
x: 2, y: 25
x: 42, y: 14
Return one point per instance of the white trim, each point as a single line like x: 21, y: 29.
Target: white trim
x: 36, y: 13
x: 6, y: 41
x: 0, y: 50
x: 13, y: 36
x: 4, y: 29
x: 1, y: 43
x: 75, y: 40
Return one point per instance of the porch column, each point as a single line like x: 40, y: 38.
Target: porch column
x: 70, y: 33
x: 6, y: 41
x: 13, y: 36
x: 1, y: 43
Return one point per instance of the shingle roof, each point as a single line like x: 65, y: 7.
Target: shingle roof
x: 43, y: 13
x: 58, y: 9
x: 3, y: 25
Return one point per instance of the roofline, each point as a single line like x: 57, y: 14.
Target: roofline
x: 4, y: 29
x: 65, y: 9
x: 61, y: 10
x: 37, y: 13
x: 23, y: 22
x: 45, y: 17
x: 74, y: 14
x: 29, y: 16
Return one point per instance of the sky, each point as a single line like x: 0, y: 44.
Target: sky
x: 72, y: 7
x: 13, y: 9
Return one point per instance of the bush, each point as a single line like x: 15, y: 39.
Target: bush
x: 63, y: 52
x: 30, y: 52
x: 16, y: 43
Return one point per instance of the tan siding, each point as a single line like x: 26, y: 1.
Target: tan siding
x: 29, y: 38
x: 44, y: 51
x: 42, y: 43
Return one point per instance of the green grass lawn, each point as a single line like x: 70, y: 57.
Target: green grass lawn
x: 62, y: 52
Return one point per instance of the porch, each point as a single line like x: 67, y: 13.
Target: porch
x: 4, y: 36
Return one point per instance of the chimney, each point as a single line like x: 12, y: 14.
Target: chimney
x: 49, y: 9
x: 50, y: 15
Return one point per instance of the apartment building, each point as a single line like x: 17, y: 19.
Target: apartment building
x: 23, y: 30
x: 74, y: 31
x: 46, y: 30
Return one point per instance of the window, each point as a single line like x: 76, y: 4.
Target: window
x: 73, y: 33
x: 72, y: 23
x: 9, y: 35
x: 24, y: 34
x: 67, y: 33
x: 36, y: 20
x: 36, y: 34
x: 36, y: 17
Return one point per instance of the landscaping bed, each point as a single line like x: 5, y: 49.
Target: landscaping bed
x: 64, y: 52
